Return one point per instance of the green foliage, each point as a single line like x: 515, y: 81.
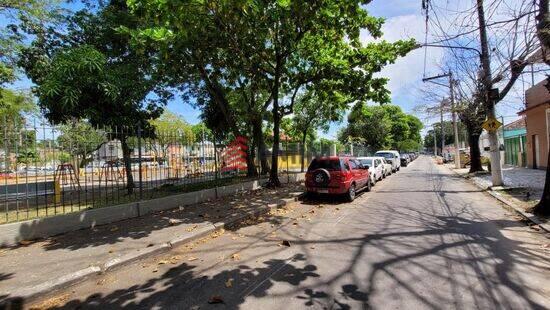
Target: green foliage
x: 448, y: 132
x: 79, y: 138
x: 12, y: 40
x: 380, y: 127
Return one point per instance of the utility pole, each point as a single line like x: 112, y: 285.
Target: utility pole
x: 442, y: 130
x: 455, y: 125
x: 496, y: 170
x: 435, y: 142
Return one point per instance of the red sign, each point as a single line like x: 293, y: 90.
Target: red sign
x: 234, y: 155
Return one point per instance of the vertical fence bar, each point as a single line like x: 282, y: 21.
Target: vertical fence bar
x: 139, y: 162
x: 6, y: 167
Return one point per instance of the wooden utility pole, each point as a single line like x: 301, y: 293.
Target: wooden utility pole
x: 486, y: 78
x: 455, y: 125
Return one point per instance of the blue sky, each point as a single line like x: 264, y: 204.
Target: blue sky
x: 403, y: 20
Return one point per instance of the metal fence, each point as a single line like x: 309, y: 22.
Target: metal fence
x: 48, y: 170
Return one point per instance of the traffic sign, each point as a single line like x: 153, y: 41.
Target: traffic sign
x: 491, y: 124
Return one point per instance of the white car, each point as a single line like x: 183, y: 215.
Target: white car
x: 376, y: 167
x: 387, y: 167
x: 391, y: 156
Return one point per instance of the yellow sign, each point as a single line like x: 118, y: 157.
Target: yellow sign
x: 491, y: 124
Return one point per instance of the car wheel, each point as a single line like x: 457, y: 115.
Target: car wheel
x: 368, y: 187
x: 351, y: 193
x: 373, y: 180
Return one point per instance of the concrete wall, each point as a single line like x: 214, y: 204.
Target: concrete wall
x: 537, y: 124
x: 12, y: 233
x: 537, y: 119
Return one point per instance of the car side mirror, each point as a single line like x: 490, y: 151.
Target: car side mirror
x: 366, y: 167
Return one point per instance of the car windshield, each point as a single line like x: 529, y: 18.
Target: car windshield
x: 328, y: 164
x: 385, y: 155
x: 366, y: 162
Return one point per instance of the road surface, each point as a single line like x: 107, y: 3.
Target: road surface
x: 422, y: 239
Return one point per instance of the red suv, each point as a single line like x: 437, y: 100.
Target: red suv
x: 337, y: 175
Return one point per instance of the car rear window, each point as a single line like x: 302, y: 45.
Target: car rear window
x: 385, y: 155
x: 328, y: 164
x: 365, y: 162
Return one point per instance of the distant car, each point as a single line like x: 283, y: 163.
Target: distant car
x: 391, y: 156
x: 376, y: 167
x: 336, y: 175
x: 404, y: 160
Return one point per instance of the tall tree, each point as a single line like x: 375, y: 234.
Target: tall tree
x: 92, y: 72
x: 543, y: 34
x: 284, y: 45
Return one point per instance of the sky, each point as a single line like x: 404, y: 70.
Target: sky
x: 404, y: 20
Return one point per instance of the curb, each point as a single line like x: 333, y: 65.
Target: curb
x: 529, y: 216
x: 31, y: 293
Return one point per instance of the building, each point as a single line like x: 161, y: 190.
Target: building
x: 515, y: 138
x: 537, y: 119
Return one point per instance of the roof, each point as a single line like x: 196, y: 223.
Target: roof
x: 517, y: 124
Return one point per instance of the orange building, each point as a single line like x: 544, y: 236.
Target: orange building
x: 537, y: 119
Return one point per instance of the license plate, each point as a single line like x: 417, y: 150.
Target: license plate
x: 322, y: 191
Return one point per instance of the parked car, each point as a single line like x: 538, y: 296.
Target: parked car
x: 376, y: 167
x: 404, y: 160
x: 392, y: 156
x: 336, y: 175
x: 387, y: 167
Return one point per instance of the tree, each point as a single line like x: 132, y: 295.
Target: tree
x: 315, y: 110
x: 12, y: 13
x: 92, y: 72
x: 80, y: 139
x: 379, y: 127
x: 170, y: 128
x: 281, y: 47
x: 543, y: 34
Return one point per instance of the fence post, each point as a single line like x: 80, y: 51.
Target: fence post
x: 139, y: 163
x: 215, y: 166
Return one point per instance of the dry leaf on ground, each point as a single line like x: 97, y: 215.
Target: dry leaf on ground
x: 114, y: 228
x: 192, y: 258
x: 215, y: 300
x: 190, y: 229
x: 236, y: 256
x: 229, y: 282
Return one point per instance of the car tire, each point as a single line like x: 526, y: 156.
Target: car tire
x: 350, y: 196
x: 372, y: 181
x: 368, y: 186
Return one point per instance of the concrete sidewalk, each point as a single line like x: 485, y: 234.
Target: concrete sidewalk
x: 42, y: 266
x: 515, y: 178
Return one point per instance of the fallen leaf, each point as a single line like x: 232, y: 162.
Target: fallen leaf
x: 192, y: 258
x: 173, y: 222
x: 215, y: 300
x: 190, y: 229
x: 235, y: 256
x: 285, y: 243
x: 229, y: 282
x: 25, y: 242
x: 114, y: 228
x: 295, y: 223
x: 155, y: 270
x: 337, y: 208
x: 162, y: 262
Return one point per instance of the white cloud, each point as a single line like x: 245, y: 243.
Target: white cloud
x: 407, y: 71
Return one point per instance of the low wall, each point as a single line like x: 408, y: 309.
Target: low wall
x: 11, y: 234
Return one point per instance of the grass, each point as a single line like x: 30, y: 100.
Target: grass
x: 114, y: 198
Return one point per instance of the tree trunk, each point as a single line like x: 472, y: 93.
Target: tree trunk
x: 303, y: 151
x: 475, y: 153
x: 543, y: 18
x: 273, y: 173
x: 260, y: 144
x: 127, y: 165
x: 250, y: 164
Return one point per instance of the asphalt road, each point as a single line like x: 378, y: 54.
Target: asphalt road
x: 422, y: 239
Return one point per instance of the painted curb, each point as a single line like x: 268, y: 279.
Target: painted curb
x: 529, y: 216
x: 32, y: 293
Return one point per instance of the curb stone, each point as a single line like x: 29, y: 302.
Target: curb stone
x: 29, y: 294
x: 529, y: 216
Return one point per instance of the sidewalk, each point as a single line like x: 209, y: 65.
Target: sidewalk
x: 41, y: 266
x: 523, y: 188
